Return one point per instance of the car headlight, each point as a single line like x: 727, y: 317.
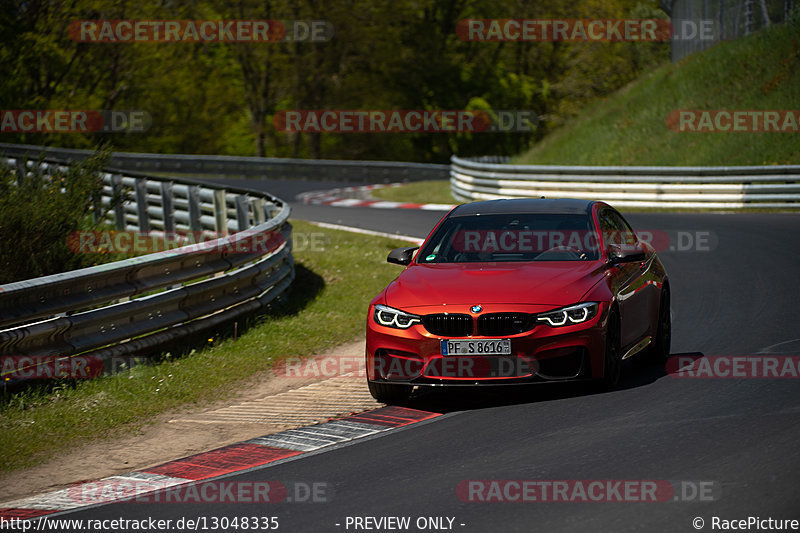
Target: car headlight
x: 394, y: 318
x: 573, y: 314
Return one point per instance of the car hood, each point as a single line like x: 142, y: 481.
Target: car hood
x: 548, y: 282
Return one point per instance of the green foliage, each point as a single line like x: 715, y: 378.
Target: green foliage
x: 39, y: 212
x: 630, y: 127
x: 794, y: 18
x: 218, y: 98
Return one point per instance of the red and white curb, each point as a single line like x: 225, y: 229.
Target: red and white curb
x: 342, y: 197
x: 226, y: 460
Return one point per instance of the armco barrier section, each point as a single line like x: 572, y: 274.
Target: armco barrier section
x: 734, y: 188
x: 263, y: 167
x: 141, y: 304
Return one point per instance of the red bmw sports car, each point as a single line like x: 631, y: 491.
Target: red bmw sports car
x: 518, y: 291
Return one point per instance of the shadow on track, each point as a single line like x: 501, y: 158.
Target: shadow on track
x: 637, y: 372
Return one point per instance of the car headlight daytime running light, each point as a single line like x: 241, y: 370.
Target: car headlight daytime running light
x: 394, y: 318
x: 573, y: 314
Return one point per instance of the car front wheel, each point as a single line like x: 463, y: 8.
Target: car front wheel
x: 612, y: 367
x: 659, y: 351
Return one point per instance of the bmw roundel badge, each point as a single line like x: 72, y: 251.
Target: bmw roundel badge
x: 476, y: 308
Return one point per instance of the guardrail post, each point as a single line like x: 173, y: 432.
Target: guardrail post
x: 748, y: 17
x: 97, y: 200
x: 220, y: 213
x: 167, y: 208
x: 242, y: 212
x: 259, y: 215
x: 119, y: 209
x: 97, y: 206
x: 765, y: 14
x: 21, y: 172
x: 141, y: 205
x: 194, y: 208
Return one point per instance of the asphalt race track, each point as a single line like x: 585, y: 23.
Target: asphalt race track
x: 735, y: 294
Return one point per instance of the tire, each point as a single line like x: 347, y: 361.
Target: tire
x: 389, y: 393
x: 659, y: 352
x: 612, y: 360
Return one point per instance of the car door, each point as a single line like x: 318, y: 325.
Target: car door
x: 628, y: 282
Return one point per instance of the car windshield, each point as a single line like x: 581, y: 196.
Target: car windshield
x: 512, y: 237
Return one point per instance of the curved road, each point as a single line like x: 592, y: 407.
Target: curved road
x: 738, y: 438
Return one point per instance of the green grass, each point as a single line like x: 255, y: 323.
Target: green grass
x: 327, y: 307
x: 630, y: 127
x: 418, y: 192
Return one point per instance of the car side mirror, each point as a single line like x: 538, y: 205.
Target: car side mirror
x: 625, y: 254
x: 402, y: 256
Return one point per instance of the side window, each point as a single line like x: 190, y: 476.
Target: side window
x: 615, y: 230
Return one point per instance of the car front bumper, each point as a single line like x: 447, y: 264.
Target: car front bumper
x: 542, y: 354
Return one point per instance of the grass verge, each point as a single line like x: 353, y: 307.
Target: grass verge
x: 630, y: 128
x: 336, y: 278
x: 418, y: 192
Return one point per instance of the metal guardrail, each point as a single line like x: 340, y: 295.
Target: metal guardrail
x: 146, y: 302
x: 149, y: 301
x: 701, y: 24
x: 264, y: 167
x: 763, y: 187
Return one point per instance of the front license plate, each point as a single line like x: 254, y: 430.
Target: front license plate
x: 477, y: 347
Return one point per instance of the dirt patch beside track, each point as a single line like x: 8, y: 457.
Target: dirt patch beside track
x: 268, y: 404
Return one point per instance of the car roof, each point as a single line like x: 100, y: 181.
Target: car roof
x: 525, y: 205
